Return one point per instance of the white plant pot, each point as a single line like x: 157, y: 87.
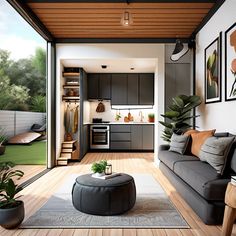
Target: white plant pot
x: 98, y: 174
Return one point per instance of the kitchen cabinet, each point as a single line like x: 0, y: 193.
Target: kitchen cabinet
x: 136, y: 137
x: 133, y: 89
x: 148, y: 137
x: 122, y: 88
x: 105, y: 86
x: 99, y: 86
x: 146, y: 89
x: 93, y: 86
x: 132, y: 137
x: 119, y: 89
x: 142, y: 137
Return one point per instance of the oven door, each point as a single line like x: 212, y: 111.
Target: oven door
x: 99, y: 137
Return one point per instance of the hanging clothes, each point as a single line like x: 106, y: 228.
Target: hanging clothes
x: 76, y: 121
x: 67, y: 119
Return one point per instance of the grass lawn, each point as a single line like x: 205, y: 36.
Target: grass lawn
x: 34, y: 154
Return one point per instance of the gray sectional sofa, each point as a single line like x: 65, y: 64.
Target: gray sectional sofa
x: 197, y: 182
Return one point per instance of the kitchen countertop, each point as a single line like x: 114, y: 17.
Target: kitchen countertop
x: 121, y: 123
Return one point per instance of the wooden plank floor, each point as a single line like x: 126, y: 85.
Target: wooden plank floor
x: 29, y: 171
x: 38, y: 193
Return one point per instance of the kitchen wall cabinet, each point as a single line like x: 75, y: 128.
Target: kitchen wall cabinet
x: 132, y: 137
x: 99, y: 86
x: 133, y: 89
x: 119, y: 89
x: 122, y: 88
x: 146, y: 89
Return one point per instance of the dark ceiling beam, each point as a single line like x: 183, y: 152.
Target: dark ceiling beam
x: 22, y: 8
x: 120, y: 1
x: 212, y: 11
x: 119, y: 40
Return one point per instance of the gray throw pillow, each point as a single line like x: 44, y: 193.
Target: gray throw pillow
x: 179, y: 143
x: 215, y: 152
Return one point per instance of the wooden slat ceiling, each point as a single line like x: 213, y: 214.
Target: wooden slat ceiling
x: 103, y: 20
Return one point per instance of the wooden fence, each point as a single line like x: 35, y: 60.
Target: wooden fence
x: 16, y: 122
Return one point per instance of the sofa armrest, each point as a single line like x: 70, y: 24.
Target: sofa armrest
x: 164, y: 147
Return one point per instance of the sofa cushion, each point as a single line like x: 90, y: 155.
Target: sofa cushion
x: 170, y: 158
x: 198, y: 139
x: 215, y: 152
x: 179, y: 143
x: 203, y: 178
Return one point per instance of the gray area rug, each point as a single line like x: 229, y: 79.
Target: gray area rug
x: 153, y: 209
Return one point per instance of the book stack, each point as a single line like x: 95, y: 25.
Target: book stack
x: 233, y: 179
x: 68, y: 151
x: 106, y: 176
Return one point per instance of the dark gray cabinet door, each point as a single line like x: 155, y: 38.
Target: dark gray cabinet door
x: 119, y: 89
x: 133, y: 89
x: 93, y: 86
x: 105, y: 86
x: 148, y: 137
x: 136, y: 137
x: 146, y: 89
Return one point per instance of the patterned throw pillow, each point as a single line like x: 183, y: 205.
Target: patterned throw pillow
x: 215, y: 152
x: 179, y: 143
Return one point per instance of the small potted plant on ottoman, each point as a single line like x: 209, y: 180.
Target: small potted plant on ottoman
x: 98, y: 168
x: 11, y: 210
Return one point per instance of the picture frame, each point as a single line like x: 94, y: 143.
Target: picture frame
x: 212, y: 71
x: 230, y: 63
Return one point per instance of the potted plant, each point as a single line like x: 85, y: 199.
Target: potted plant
x: 3, y: 138
x: 11, y: 210
x: 151, y: 117
x: 178, y: 117
x: 98, y: 168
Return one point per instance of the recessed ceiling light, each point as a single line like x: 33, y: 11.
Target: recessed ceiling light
x: 132, y: 68
x: 104, y: 66
x: 126, y: 18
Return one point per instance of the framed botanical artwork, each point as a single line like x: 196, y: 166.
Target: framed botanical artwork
x: 230, y: 63
x: 213, y: 71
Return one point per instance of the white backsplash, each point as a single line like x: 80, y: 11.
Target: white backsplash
x: 110, y: 114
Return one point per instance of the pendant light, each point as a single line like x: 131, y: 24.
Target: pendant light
x: 179, y: 51
x: 126, y: 19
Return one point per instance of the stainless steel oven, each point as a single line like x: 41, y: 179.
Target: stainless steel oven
x: 99, y: 137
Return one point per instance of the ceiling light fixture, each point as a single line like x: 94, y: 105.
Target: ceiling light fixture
x: 126, y: 19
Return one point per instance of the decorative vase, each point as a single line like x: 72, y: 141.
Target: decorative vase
x: 2, y: 150
x: 68, y: 137
x: 10, y: 218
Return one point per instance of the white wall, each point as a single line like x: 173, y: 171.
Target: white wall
x: 221, y: 116
x: 114, y: 51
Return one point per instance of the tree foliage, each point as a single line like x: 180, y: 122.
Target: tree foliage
x: 21, y: 80
x: 179, y: 115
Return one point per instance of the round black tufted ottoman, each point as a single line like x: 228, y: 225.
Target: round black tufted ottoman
x: 104, y: 197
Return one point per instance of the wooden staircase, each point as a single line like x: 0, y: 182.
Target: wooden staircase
x: 69, y: 151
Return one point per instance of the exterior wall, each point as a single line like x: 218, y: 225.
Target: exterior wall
x: 16, y: 122
x: 222, y: 115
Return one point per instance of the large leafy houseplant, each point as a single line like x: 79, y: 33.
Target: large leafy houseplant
x: 11, y: 209
x: 178, y: 116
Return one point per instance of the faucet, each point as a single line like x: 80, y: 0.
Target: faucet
x: 141, y: 116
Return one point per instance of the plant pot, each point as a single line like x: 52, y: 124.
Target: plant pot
x: 98, y: 174
x: 10, y: 218
x: 2, y: 150
x: 151, y: 119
